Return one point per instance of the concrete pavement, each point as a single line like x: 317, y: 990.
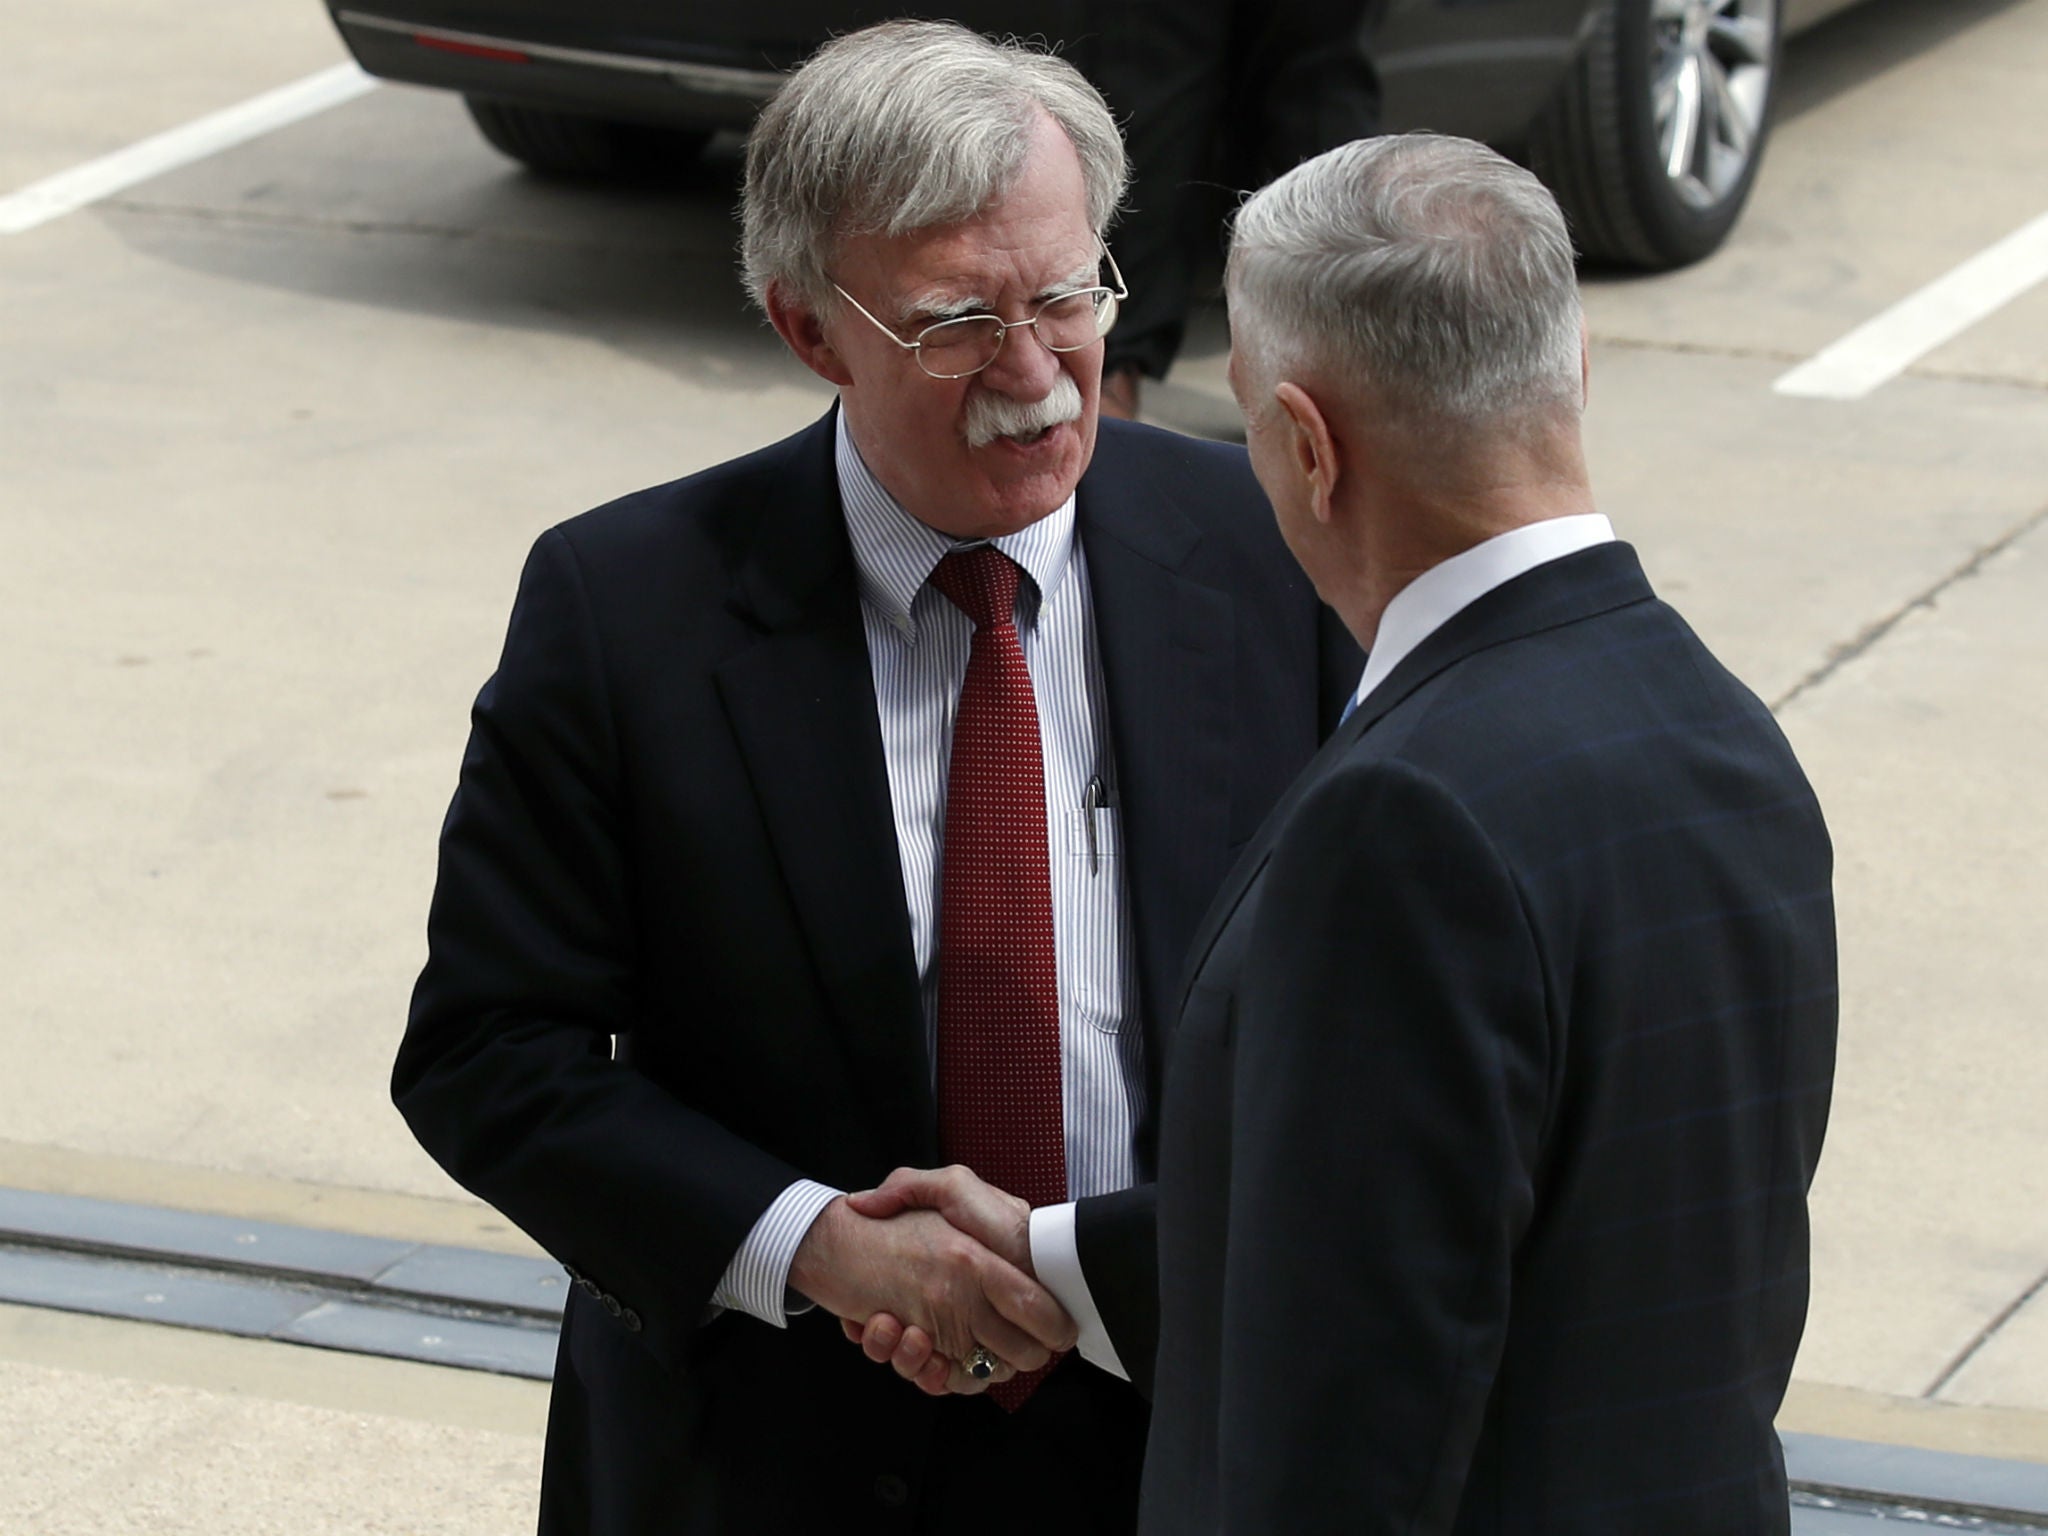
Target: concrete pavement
x: 277, y: 429
x: 115, y: 1427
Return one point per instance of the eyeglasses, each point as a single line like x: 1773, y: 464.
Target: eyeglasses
x: 1066, y: 322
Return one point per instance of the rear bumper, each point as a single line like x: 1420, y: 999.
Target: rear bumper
x: 665, y: 92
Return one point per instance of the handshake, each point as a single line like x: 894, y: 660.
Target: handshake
x: 930, y: 1272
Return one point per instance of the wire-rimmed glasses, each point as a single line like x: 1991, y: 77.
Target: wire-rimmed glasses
x: 957, y: 348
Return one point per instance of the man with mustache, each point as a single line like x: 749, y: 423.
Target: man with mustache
x: 850, y: 805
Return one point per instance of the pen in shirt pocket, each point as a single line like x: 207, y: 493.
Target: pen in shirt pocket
x: 1093, y: 799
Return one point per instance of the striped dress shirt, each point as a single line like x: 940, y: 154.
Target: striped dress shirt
x: 917, y: 647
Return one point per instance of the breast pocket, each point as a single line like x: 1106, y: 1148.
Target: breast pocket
x: 1209, y: 1016
x: 1090, y: 894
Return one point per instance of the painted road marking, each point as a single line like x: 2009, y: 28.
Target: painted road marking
x: 1881, y: 349
x: 68, y: 191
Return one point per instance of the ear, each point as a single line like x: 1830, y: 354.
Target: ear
x: 1585, y: 364
x: 804, y: 330
x: 1313, y: 446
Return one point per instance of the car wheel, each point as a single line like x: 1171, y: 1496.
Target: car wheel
x: 1655, y: 136
x: 587, y: 148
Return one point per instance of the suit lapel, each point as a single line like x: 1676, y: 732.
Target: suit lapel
x: 1564, y: 591
x: 1166, y: 643
x: 802, y: 706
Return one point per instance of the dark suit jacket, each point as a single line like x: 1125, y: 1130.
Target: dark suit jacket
x: 1496, y: 1093
x: 673, y: 827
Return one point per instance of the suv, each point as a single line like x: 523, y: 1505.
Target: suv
x: 1647, y: 118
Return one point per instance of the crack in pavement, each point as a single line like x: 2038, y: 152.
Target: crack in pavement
x: 1840, y: 656
x: 1988, y: 1332
x: 262, y: 218
x: 1919, y: 371
x: 1695, y: 348
x: 1968, y: 376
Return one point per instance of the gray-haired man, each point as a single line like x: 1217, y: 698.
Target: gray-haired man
x: 1503, y: 1068
x: 853, y: 879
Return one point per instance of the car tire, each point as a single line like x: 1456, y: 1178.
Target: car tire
x: 584, y: 148
x: 1653, y: 140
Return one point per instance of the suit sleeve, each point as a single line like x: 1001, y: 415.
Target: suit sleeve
x: 506, y: 1073
x: 1117, y: 1239
x: 1391, y: 1077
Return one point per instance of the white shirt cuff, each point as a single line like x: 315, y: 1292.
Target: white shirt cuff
x: 757, y: 1280
x: 1056, y: 1260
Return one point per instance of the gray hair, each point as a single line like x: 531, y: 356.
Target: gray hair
x: 1428, y: 271
x: 905, y: 126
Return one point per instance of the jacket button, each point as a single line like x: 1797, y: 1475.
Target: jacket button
x: 892, y: 1490
x: 611, y: 1305
x: 631, y: 1319
x: 588, y: 1287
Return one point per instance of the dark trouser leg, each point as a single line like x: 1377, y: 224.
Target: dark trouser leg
x: 1304, y: 80
x: 1068, y: 1461
x: 1161, y: 65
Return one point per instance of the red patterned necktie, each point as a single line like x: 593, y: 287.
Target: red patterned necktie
x: 1000, y: 1109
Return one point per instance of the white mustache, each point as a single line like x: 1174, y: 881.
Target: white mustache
x: 990, y: 415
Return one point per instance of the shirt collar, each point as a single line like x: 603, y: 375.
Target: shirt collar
x: 1429, y: 602
x: 895, y: 553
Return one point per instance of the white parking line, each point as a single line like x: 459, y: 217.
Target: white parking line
x: 69, y: 190
x: 1881, y: 349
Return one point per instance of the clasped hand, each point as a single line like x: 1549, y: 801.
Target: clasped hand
x: 925, y: 1268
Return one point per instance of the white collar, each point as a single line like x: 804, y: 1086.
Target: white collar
x: 1428, y: 602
